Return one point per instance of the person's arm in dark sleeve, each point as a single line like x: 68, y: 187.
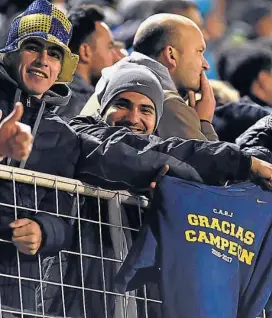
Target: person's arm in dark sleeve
x: 57, y: 231
x: 257, y: 140
x: 115, y: 157
x: 57, y: 226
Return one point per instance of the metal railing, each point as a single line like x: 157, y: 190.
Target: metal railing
x: 77, y: 281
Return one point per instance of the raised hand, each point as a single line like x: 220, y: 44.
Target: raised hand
x: 206, y: 105
x: 15, y: 137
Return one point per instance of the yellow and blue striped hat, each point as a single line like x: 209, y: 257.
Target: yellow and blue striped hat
x: 43, y: 20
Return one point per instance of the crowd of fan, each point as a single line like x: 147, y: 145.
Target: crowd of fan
x: 134, y: 87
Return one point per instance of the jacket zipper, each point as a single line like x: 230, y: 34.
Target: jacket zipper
x: 28, y: 102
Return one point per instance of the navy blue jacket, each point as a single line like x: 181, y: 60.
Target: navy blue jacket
x: 55, y: 151
x: 232, y: 119
x: 81, y: 92
x: 209, y: 247
x: 116, y: 158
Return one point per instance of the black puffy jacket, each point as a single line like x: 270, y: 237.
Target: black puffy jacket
x: 232, y: 119
x: 257, y: 140
x: 115, y: 158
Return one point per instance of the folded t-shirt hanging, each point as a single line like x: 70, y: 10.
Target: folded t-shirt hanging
x: 210, y: 247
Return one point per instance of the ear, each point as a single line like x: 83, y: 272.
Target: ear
x: 170, y: 57
x: 262, y: 78
x: 85, y: 52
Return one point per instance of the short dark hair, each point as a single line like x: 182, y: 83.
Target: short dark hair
x: 246, y: 66
x: 171, y: 5
x: 83, y: 19
x: 152, y: 40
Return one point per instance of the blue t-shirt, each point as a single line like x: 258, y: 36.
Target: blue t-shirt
x: 210, y: 248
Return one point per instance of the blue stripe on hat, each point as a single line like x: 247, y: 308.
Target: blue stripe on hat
x: 39, y: 6
x: 13, y: 33
x: 58, y: 31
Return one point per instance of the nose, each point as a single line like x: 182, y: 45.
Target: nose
x: 206, y: 65
x: 132, y: 116
x: 42, y: 59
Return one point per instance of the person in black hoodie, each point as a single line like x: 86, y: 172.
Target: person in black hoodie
x: 93, y: 42
x: 247, y: 69
x: 36, y: 57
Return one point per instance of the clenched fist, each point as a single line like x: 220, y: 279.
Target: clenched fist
x: 27, y: 236
x: 15, y: 137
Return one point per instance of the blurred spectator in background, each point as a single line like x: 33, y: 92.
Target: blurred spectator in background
x: 187, y: 8
x: 8, y: 9
x: 93, y: 42
x: 258, y: 18
x: 248, y: 69
x: 36, y: 57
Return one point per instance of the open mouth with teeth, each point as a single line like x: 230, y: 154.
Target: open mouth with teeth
x: 37, y: 73
x: 136, y: 130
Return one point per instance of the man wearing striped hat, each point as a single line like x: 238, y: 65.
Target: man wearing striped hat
x: 35, y: 58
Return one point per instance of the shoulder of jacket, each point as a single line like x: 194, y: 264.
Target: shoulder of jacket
x: 173, y: 101
x: 56, y: 120
x: 173, y: 97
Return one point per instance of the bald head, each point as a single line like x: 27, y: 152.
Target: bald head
x: 161, y: 30
x: 176, y: 42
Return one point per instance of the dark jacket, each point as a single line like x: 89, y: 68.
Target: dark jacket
x: 81, y: 92
x: 55, y: 151
x: 115, y: 158
x: 257, y: 140
x: 232, y: 119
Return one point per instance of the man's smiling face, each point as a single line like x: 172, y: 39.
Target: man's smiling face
x: 36, y: 66
x: 132, y: 110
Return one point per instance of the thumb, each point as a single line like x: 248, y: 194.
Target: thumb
x: 1, y: 114
x: 16, y: 114
x: 19, y: 223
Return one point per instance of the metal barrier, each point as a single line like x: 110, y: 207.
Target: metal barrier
x: 78, y: 281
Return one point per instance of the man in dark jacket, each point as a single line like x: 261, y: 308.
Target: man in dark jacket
x: 93, y: 42
x: 248, y: 69
x: 35, y: 57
